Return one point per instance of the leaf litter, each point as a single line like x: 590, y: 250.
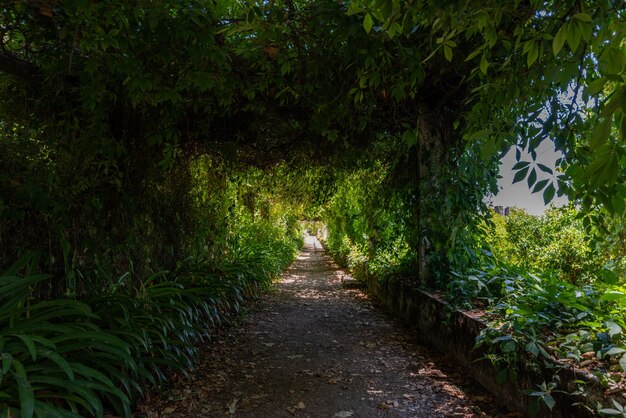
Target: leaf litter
x: 313, y: 348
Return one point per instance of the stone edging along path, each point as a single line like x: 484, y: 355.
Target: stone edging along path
x: 455, y: 332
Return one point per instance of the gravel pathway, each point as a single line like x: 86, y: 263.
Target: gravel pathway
x: 312, y: 348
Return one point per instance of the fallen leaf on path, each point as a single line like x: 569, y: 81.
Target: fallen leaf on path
x: 293, y: 409
x: 232, y: 407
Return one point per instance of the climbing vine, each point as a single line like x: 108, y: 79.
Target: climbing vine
x: 156, y: 156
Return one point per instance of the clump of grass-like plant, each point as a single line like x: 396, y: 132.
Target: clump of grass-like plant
x: 71, y: 358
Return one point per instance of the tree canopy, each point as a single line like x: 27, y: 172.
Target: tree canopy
x: 116, y: 92
x: 187, y: 137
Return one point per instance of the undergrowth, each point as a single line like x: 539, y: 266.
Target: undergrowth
x: 554, y: 297
x: 70, y: 358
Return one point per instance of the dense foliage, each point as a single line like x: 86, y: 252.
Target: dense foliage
x: 154, y: 158
x: 559, y: 243
x: 553, y: 295
x: 65, y: 357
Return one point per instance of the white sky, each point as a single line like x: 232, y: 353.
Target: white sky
x: 518, y: 194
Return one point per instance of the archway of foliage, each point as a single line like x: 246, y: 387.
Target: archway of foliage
x: 154, y: 158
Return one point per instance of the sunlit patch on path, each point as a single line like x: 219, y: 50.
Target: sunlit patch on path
x: 312, y: 348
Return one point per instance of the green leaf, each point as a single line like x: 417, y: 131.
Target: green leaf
x: 540, y: 185
x: 82, y: 388
x: 432, y: 54
x: 622, y: 362
x: 24, y: 390
x: 484, y: 64
x: 619, y: 204
x: 410, y: 137
x: 532, y: 347
x: 609, y: 108
x: 612, y: 295
x: 585, y: 29
x: 368, y: 22
x: 609, y: 411
x: 573, y: 36
x: 615, y: 351
x: 489, y: 149
x: 475, y: 53
x: 545, y: 168
x: 559, y: 40
x: 549, y: 401
x: 520, y: 175
x: 407, y: 22
x: 502, y: 338
x: 18, y: 284
x: 613, y: 58
x: 604, y: 167
x: 533, y: 54
x: 520, y: 165
x: 600, y: 134
x: 478, y: 134
x: 596, y: 86
x: 509, y: 346
x: 60, y: 361
x: 548, y: 194
x: 613, y: 328
x: 91, y: 373
x: 609, y: 277
x: 30, y: 345
x: 532, y: 178
x: 583, y: 17
x: 48, y: 410
x: 23, y: 263
x: 7, y: 359
x: 447, y: 51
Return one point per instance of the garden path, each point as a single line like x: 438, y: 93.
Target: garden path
x: 312, y: 348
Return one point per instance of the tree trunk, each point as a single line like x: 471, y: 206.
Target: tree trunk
x: 433, y: 131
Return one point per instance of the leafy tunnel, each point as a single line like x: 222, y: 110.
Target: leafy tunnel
x: 159, y: 160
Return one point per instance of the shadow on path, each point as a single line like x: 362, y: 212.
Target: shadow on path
x: 311, y: 348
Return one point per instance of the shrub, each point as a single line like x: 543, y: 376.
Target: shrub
x: 557, y: 242
x: 68, y: 358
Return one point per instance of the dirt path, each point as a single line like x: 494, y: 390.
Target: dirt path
x: 312, y: 348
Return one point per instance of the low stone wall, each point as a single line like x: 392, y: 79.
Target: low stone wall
x: 454, y: 333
